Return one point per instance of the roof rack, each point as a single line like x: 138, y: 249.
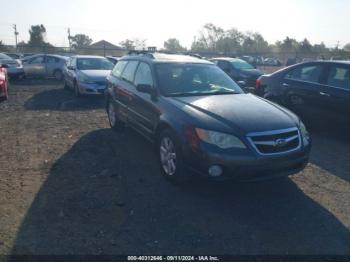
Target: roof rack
x: 141, y: 53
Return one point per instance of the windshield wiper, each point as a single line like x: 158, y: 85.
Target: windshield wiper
x: 203, y: 93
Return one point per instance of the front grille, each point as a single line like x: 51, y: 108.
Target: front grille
x: 274, y: 142
x: 103, y: 82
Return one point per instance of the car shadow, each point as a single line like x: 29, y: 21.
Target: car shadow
x: 63, y: 100
x: 330, y: 132
x: 34, y: 81
x: 106, y: 196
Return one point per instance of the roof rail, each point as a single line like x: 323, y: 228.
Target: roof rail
x: 141, y: 53
x: 195, y: 55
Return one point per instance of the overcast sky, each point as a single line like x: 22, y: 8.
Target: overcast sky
x: 158, y: 20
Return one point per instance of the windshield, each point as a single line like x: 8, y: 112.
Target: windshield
x: 94, y: 64
x: 241, y: 64
x: 194, y: 79
x: 3, y: 56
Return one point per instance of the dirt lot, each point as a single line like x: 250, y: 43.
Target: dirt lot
x: 69, y: 185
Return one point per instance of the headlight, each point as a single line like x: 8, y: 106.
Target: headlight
x: 221, y: 140
x: 304, y: 133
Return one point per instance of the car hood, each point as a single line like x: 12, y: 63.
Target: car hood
x: 244, y: 113
x: 8, y: 61
x: 251, y: 72
x: 96, y: 74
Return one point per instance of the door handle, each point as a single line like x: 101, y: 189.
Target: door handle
x: 285, y: 85
x: 324, y: 94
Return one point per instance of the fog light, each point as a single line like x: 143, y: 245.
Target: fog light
x: 215, y: 171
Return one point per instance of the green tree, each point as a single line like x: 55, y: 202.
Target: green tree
x: 289, y: 45
x: 208, y: 38
x: 231, y: 42
x: 80, y: 41
x: 305, y: 46
x: 37, y: 35
x: 127, y: 44
x: 347, y: 47
x: 3, y: 48
x: 320, y: 48
x: 173, y: 45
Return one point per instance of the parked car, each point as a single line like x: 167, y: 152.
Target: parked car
x: 250, y: 60
x: 3, y: 82
x: 87, y: 74
x: 200, y: 119
x: 14, y: 66
x: 44, y: 66
x: 239, y: 70
x: 113, y: 59
x: 272, y: 62
x: 14, y: 55
x: 319, y: 83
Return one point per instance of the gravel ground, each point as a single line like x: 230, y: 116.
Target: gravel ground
x: 69, y: 185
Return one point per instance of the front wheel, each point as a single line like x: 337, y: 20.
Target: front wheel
x: 170, y: 157
x: 76, y: 90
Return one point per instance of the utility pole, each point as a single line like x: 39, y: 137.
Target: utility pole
x: 16, y: 34
x: 69, y: 38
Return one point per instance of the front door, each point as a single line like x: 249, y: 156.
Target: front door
x: 35, y: 66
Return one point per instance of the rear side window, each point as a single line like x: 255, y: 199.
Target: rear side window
x: 309, y: 73
x: 224, y: 65
x: 129, y: 71
x: 118, y: 69
x: 37, y: 60
x: 143, y: 75
x: 51, y: 60
x: 339, y: 76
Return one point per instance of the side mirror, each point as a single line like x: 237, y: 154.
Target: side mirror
x: 4, y: 66
x: 71, y: 67
x: 144, y: 88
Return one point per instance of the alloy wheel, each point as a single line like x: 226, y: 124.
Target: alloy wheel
x: 168, y: 156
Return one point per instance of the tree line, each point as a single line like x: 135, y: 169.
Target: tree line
x: 210, y: 38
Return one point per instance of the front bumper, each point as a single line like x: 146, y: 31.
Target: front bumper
x: 247, y: 166
x: 91, y: 89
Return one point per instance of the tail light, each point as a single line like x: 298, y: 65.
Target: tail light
x: 191, y: 137
x: 258, y: 83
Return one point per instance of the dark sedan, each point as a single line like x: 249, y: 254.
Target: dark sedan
x: 201, y: 120
x: 239, y: 70
x: 320, y: 83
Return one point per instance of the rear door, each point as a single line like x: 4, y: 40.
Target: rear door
x: 126, y: 90
x: 35, y: 66
x: 304, y: 82
x: 336, y: 90
x: 144, y: 105
x: 51, y: 64
x: 115, y: 88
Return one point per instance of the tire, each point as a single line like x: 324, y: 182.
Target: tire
x: 65, y: 85
x: 76, y: 90
x: 170, y: 158
x: 113, y: 120
x: 58, y: 75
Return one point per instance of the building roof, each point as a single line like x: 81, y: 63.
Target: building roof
x: 104, y: 44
